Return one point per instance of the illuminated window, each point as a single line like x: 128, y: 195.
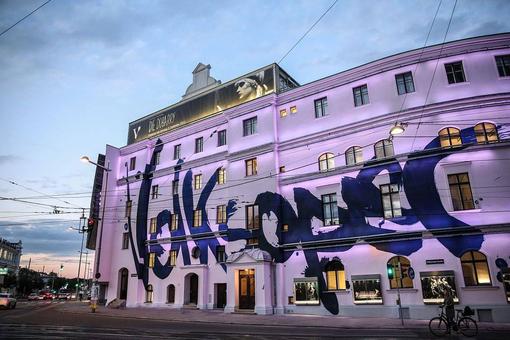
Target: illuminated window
x: 157, y: 157
x: 153, y: 225
x: 321, y: 107
x: 400, y: 265
x: 254, y: 241
x: 177, y: 151
x: 250, y: 126
x: 360, y: 94
x: 174, y: 222
x: 222, y: 137
x: 132, y: 163
x: 253, y: 220
x: 175, y: 187
x: 335, y: 275
x: 326, y: 162
x: 197, y: 218
x: 172, y: 258
x: 354, y: 155
x: 293, y: 109
x: 390, y: 200
x: 460, y: 189
x: 283, y: 112
x: 125, y: 240
x: 197, y: 182
x: 149, y: 294
x: 449, y: 136
x: 285, y: 227
x: 486, y: 133
x: 405, y: 83
x: 282, y: 169
x: 222, y: 176
x: 475, y: 269
x: 199, y: 144
x: 152, y: 259
x: 251, y: 167
x: 155, y: 191
x: 129, y: 205
x: 330, y: 210
x: 503, y: 64
x: 221, y: 214
x: 170, y: 294
x: 383, y: 149
x: 221, y: 256
x: 455, y: 72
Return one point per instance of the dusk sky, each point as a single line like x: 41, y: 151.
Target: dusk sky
x: 75, y: 73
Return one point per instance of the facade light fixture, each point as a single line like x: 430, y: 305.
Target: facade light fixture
x: 398, y: 128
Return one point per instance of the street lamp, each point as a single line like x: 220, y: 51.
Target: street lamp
x: 398, y: 128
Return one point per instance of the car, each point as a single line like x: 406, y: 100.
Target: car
x: 7, y: 301
x: 46, y: 296
x: 33, y: 297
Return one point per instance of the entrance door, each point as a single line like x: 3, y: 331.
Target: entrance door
x: 247, y: 289
x: 193, y: 289
x: 221, y: 295
x: 123, y: 284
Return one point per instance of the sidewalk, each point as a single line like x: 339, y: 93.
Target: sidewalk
x: 292, y: 320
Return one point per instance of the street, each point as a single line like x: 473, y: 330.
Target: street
x: 57, y: 319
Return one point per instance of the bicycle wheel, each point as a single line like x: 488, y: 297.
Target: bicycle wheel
x: 468, y: 326
x: 438, y: 326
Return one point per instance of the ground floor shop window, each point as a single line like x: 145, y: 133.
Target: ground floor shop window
x: 306, y: 291
x: 475, y: 269
x: 400, y: 265
x: 367, y: 289
x: 434, y: 284
x: 170, y: 294
x: 335, y: 275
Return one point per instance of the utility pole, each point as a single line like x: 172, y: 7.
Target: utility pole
x: 81, y: 230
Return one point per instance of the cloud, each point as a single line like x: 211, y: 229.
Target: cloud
x: 5, y: 159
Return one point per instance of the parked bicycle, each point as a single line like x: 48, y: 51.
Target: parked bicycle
x: 463, y: 323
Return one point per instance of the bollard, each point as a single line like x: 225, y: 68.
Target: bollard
x: 93, y: 305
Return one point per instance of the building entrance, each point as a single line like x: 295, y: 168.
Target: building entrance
x: 247, y: 289
x: 123, y: 274
x: 221, y: 295
x: 193, y: 289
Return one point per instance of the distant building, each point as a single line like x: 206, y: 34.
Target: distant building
x: 10, y: 255
x: 265, y: 195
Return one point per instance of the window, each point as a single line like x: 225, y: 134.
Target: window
x: 354, y: 155
x: 174, y: 222
x: 390, y: 200
x: 125, y: 240
x: 221, y: 214
x: 199, y: 144
x: 335, y: 275
x: 285, y: 227
x: 220, y: 254
x: 254, y: 241
x: 172, y: 258
x: 197, y: 182
x: 157, y: 157
x: 222, y: 176
x: 251, y: 167
x: 152, y: 259
x: 460, y: 189
x: 197, y: 218
x: 383, y: 149
x: 503, y: 64
x: 177, y: 151
x: 153, y: 225
x: 326, y: 162
x: 400, y: 265
x: 149, y: 294
x: 321, y: 107
x: 282, y: 169
x: 155, y: 191
x: 449, y: 136
x: 330, y: 210
x: 455, y: 72
x: 129, y: 205
x: 170, y: 294
x: 293, y: 109
x: 175, y: 187
x: 475, y: 269
x: 405, y: 83
x: 486, y: 133
x: 132, y: 163
x: 360, y: 94
x: 253, y: 220
x: 283, y: 113
x: 222, y: 137
x: 250, y: 126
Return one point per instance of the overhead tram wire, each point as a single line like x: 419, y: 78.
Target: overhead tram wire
x: 26, y: 16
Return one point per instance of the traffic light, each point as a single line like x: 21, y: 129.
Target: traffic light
x: 390, y: 271
x: 90, y: 222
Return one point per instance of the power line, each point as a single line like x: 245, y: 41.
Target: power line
x: 26, y: 16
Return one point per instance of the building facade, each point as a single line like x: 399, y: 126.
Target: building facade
x: 265, y: 195
x: 10, y: 256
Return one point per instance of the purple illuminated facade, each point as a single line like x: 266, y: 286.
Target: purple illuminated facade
x: 295, y: 199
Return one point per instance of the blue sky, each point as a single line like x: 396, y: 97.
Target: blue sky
x: 74, y: 74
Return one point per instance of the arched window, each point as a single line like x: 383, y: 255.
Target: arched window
x: 486, y: 133
x: 170, y: 294
x: 475, y: 269
x: 326, y: 161
x: 354, y: 155
x: 400, y: 265
x: 383, y: 149
x: 335, y: 275
x: 449, y: 136
x: 148, y: 294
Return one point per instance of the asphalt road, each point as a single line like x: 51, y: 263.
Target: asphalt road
x: 44, y: 320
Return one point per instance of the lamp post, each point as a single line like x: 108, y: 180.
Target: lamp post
x: 106, y: 169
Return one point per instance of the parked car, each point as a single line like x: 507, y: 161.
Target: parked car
x: 46, y: 295
x: 7, y: 301
x: 64, y: 296
x: 33, y: 297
